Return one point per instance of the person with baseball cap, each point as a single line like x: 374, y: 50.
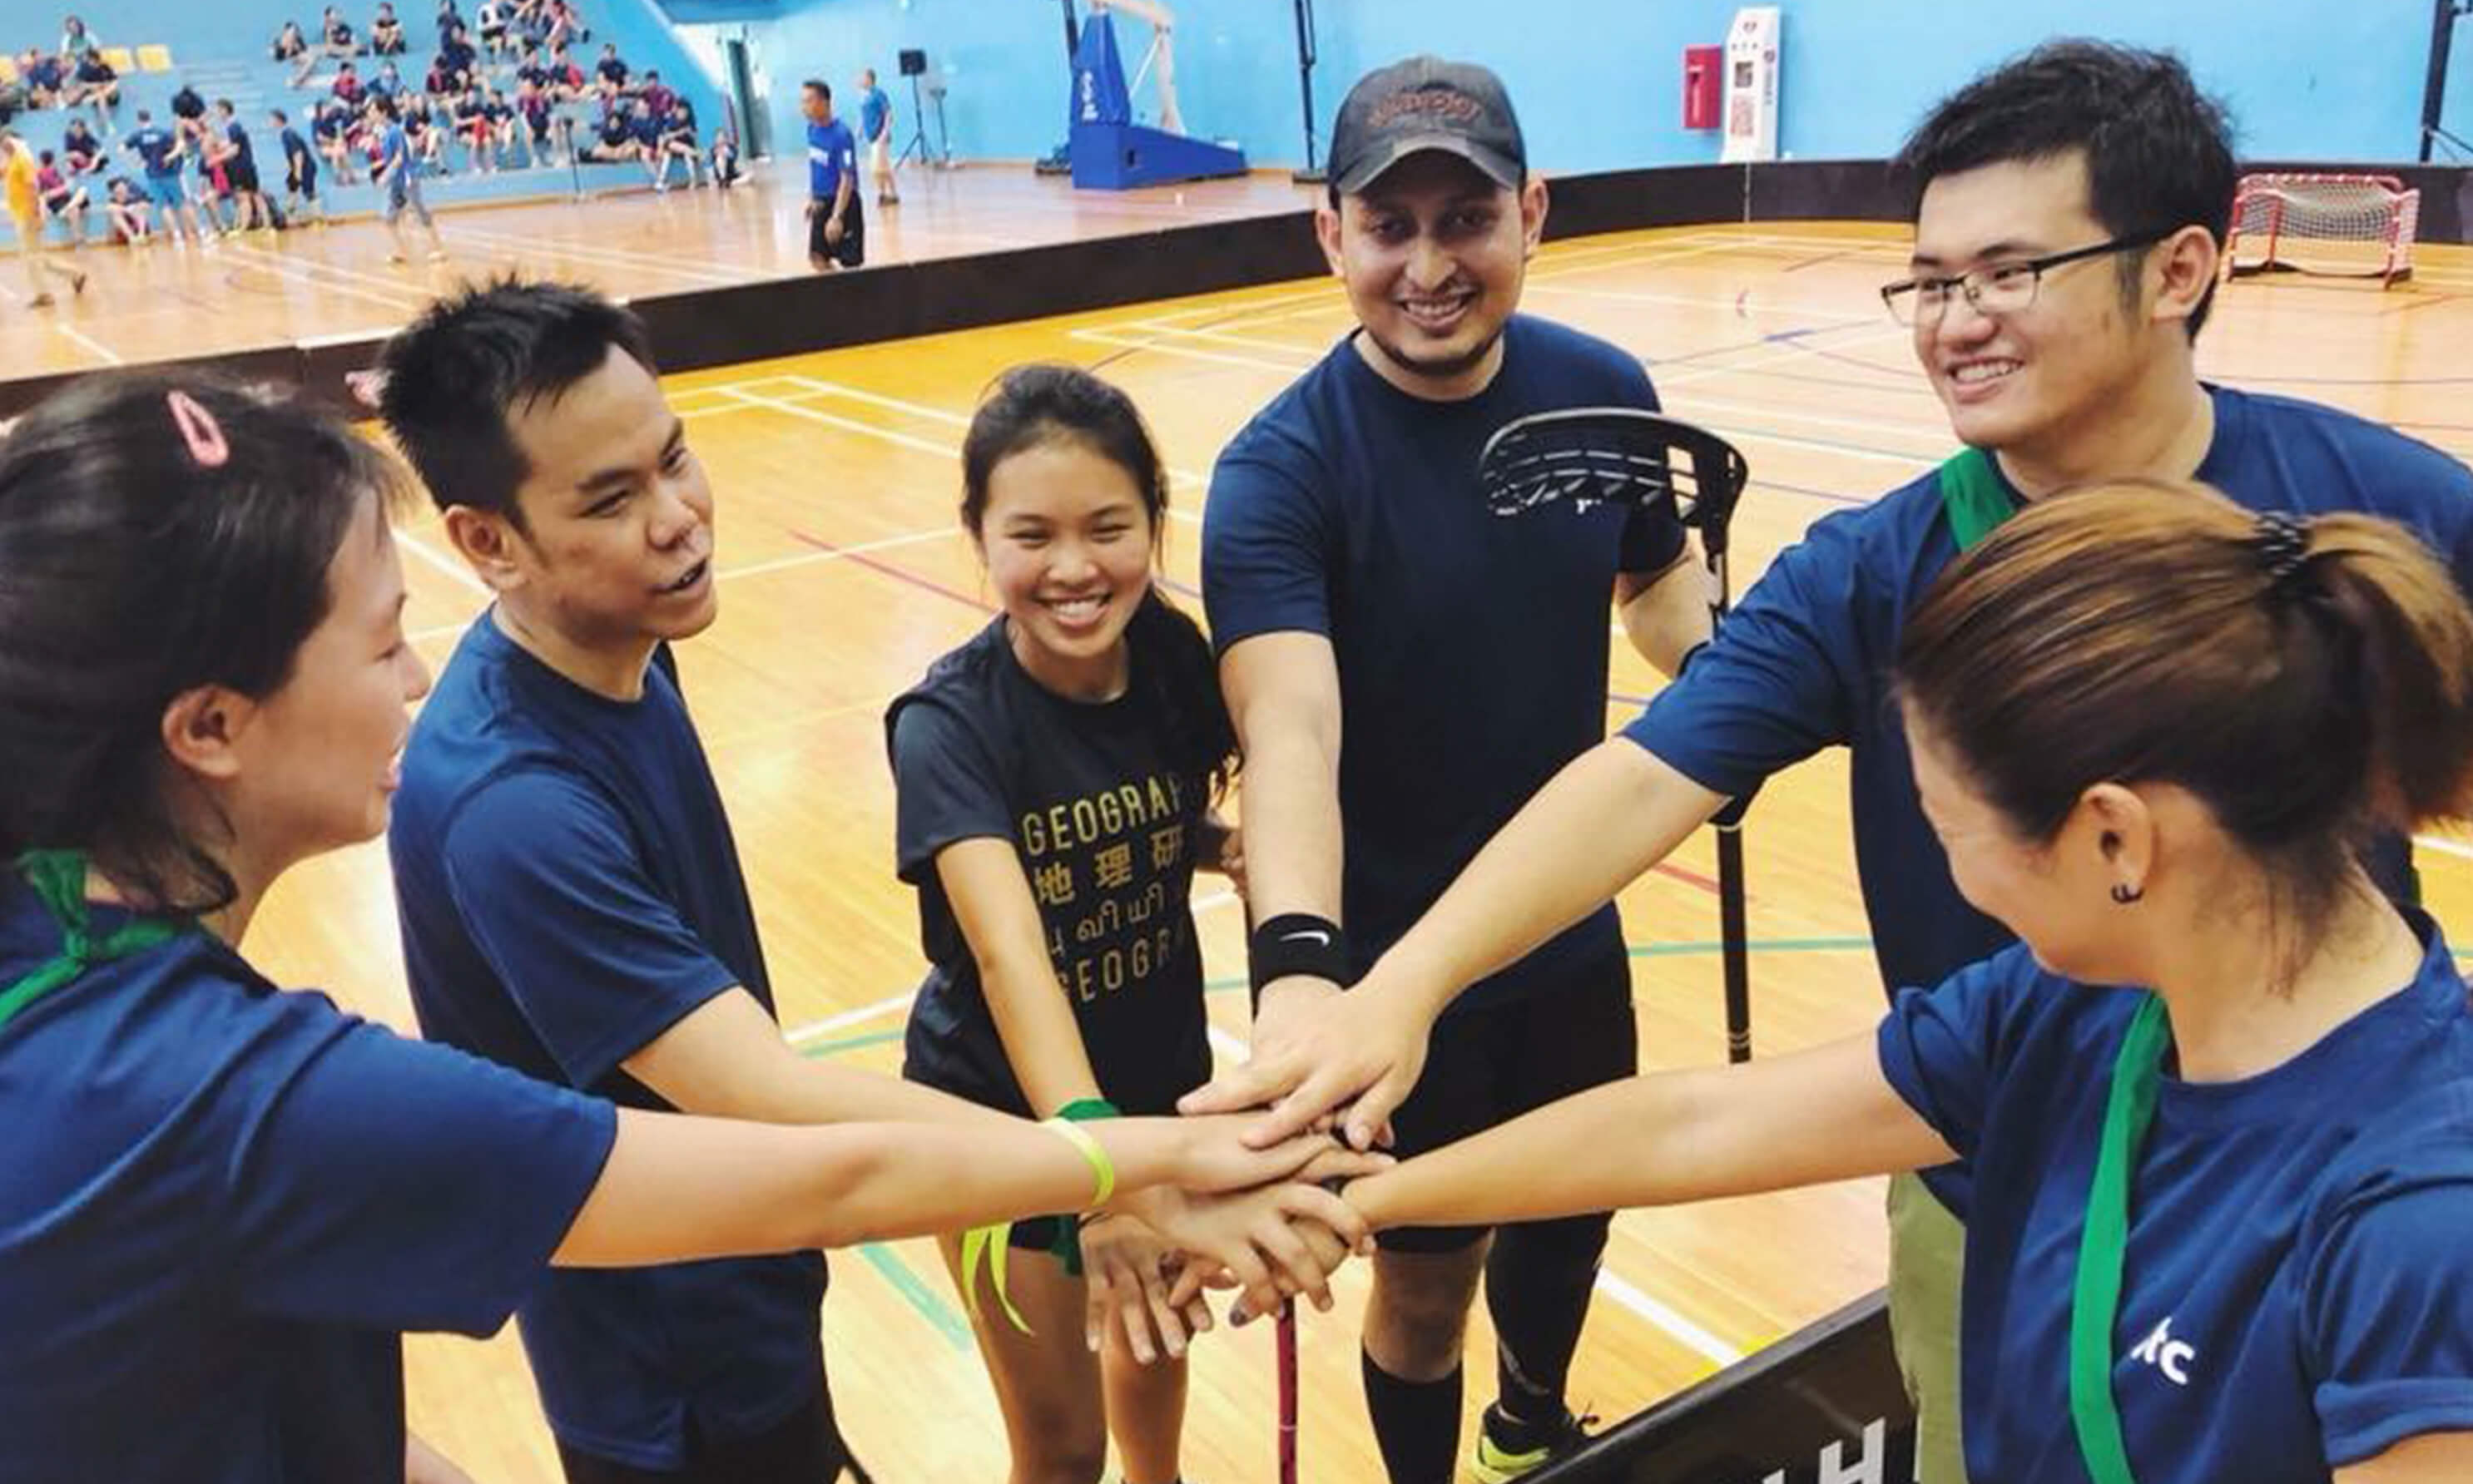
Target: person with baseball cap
x: 1357, y: 586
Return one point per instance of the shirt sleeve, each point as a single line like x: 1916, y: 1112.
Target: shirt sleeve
x: 1266, y: 553
x: 545, y: 877
x: 2388, y: 1298
x: 947, y: 788
x: 1942, y: 1048
x: 399, y: 1184
x: 1773, y: 688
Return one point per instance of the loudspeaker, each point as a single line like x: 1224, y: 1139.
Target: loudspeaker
x: 913, y: 64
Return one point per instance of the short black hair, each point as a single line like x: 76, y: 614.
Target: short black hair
x: 823, y: 88
x: 454, y: 375
x: 2158, y: 152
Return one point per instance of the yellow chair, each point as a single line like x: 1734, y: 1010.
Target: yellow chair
x: 118, y: 60
x: 8, y: 70
x: 154, y: 57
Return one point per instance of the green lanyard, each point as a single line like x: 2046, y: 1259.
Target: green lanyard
x: 58, y: 878
x: 2095, y: 1303
x: 1974, y: 496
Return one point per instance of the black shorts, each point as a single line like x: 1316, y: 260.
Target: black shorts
x: 242, y: 176
x: 852, y: 250
x: 1490, y: 1064
x: 804, y: 1448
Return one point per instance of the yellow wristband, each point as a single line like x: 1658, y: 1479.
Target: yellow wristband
x: 1101, y: 1166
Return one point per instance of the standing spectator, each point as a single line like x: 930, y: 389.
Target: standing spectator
x: 386, y: 31
x: 300, y: 172
x: 875, y: 128
x: 398, y: 175
x: 159, y: 152
x: 836, y: 230
x: 610, y: 67
x: 239, y: 161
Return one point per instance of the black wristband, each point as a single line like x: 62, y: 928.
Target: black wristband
x: 1297, y: 942
x: 1652, y: 538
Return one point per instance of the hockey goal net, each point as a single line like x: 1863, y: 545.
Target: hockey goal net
x: 2349, y: 226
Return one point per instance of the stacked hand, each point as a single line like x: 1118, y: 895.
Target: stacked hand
x: 1318, y: 1052
x: 1255, y: 1219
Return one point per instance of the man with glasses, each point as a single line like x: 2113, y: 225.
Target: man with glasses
x: 2067, y: 235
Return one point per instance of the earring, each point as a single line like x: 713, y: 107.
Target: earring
x: 2125, y: 894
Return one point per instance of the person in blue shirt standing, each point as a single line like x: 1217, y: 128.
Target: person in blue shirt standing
x: 299, y: 170
x: 2067, y: 235
x: 836, y: 227
x: 2215, y: 1108
x: 568, y: 884
x: 1345, y: 528
x: 398, y: 174
x: 242, y: 1197
x: 875, y: 126
x: 159, y: 151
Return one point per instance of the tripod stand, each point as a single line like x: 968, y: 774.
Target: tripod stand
x: 918, y: 144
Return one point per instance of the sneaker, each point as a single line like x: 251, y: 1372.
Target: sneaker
x: 1507, y: 1450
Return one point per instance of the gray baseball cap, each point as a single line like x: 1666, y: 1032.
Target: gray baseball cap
x: 1426, y: 103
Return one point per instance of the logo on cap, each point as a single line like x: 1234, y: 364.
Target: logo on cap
x: 1440, y: 103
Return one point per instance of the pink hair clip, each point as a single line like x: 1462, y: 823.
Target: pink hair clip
x: 200, y: 431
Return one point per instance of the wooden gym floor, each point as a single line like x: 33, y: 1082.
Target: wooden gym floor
x: 844, y: 574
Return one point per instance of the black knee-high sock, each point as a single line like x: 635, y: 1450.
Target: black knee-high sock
x: 1537, y: 1284
x: 1416, y: 1423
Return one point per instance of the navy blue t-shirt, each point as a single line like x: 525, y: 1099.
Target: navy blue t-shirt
x: 2299, y: 1287
x: 570, y: 891
x: 1106, y: 826
x: 222, y: 1204
x: 832, y: 154
x: 298, y: 162
x: 1804, y: 662
x: 238, y: 136
x: 1472, y: 649
x: 155, y: 145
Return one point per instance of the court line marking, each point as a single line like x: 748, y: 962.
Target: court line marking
x: 302, y: 273
x: 1633, y: 1298
x: 110, y: 357
x: 430, y: 556
x: 506, y: 245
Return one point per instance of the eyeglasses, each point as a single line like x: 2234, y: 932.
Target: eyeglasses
x: 1997, y: 288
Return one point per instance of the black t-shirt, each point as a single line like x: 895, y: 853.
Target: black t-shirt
x: 1106, y: 827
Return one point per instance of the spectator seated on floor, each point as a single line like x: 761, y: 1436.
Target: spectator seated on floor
x: 131, y: 216
x: 93, y: 82
x: 655, y: 98
x: 82, y: 150
x: 43, y: 76
x: 458, y: 63
x: 348, y: 86
x: 615, y: 143
x: 290, y: 44
x: 386, y: 31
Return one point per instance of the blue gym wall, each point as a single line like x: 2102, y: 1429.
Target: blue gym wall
x: 1598, y: 82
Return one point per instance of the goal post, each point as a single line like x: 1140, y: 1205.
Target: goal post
x: 2341, y: 226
